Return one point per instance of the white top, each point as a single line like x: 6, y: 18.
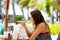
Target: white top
x: 19, y: 32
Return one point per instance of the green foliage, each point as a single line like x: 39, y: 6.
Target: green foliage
x: 48, y: 7
x: 24, y: 3
x: 58, y: 1
x: 30, y: 3
x: 55, y: 28
x: 57, y: 5
x: 49, y: 3
x: 33, y: 3
x: 40, y: 7
x: 19, y: 17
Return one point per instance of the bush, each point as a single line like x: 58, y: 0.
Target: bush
x: 19, y: 17
x: 55, y: 28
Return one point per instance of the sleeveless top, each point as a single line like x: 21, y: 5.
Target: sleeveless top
x: 44, y: 36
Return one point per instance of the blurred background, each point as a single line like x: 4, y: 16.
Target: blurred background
x: 20, y: 10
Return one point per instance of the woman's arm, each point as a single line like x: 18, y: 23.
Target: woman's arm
x: 39, y: 29
x: 27, y: 31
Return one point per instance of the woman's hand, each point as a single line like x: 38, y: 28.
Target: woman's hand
x: 32, y: 38
x: 23, y: 24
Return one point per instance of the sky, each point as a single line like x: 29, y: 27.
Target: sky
x: 18, y: 11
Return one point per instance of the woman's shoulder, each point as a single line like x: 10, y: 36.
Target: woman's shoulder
x: 42, y: 24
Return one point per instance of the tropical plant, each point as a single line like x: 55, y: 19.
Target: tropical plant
x: 27, y: 4
x: 56, y: 5
x: 19, y: 17
x: 42, y: 5
x: 23, y: 4
x: 33, y: 3
x: 54, y: 28
x: 36, y: 5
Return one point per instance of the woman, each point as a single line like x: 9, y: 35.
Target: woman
x: 41, y: 31
x: 1, y: 25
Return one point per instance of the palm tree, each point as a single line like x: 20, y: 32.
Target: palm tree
x: 57, y: 7
x: 24, y: 4
x: 28, y: 12
x: 40, y: 6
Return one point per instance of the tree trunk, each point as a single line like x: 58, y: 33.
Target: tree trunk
x: 52, y: 16
x: 58, y: 38
x: 23, y: 13
x: 52, y: 19
x: 14, y: 15
x: 28, y: 12
x: 57, y: 16
x: 1, y: 10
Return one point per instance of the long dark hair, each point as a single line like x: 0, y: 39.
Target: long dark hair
x: 37, y: 16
